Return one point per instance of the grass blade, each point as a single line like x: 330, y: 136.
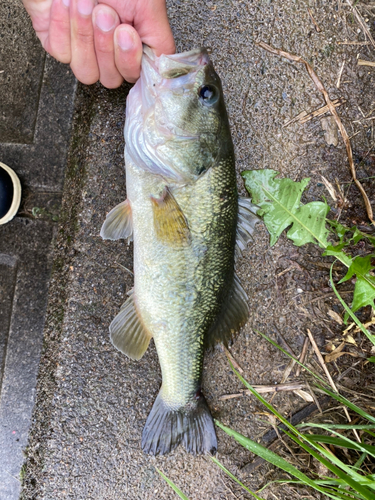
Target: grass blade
x: 219, y: 464
x: 360, y: 461
x: 172, y: 485
x: 283, y: 464
x: 341, y: 399
x: 332, y: 463
x: 269, y: 456
x: 343, y: 442
x: 329, y: 427
x: 321, y: 380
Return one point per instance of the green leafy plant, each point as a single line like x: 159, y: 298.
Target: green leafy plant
x: 346, y: 481
x: 280, y: 207
x: 43, y: 213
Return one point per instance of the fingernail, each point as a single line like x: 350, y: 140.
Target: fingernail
x: 85, y: 7
x: 124, y: 39
x: 105, y: 20
x: 66, y: 3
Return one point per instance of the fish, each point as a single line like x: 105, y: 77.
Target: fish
x: 188, y: 223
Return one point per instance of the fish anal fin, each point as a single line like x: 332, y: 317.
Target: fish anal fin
x: 233, y: 315
x: 127, y: 333
x: 170, y: 223
x: 118, y: 223
x: 246, y: 221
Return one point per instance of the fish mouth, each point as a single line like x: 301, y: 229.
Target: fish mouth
x: 176, y: 65
x: 175, y: 73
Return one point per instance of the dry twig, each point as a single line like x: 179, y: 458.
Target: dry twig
x: 361, y: 22
x: 313, y: 20
x: 340, y: 73
x: 363, y: 62
x: 326, y: 371
x: 353, y: 43
x: 263, y: 389
x: 304, y: 117
x: 125, y: 268
x: 302, y: 356
x: 233, y: 361
x: 320, y: 87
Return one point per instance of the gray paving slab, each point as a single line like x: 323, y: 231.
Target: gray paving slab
x: 25, y: 270
x: 36, y: 106
x: 38, y: 153
x: 21, y: 72
x: 92, y: 402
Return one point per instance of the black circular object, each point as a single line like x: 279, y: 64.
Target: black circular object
x: 208, y: 94
x: 6, y: 192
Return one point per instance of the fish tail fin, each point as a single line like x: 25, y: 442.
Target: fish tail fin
x: 190, y: 425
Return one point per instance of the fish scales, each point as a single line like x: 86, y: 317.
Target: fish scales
x: 179, y: 290
x: 182, y: 213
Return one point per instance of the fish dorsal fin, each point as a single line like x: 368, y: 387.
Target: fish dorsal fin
x: 170, y: 223
x: 246, y: 221
x: 118, y: 223
x: 231, y: 318
x: 127, y: 332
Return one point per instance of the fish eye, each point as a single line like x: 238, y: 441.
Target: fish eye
x: 208, y: 94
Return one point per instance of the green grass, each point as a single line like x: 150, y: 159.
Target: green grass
x: 346, y: 482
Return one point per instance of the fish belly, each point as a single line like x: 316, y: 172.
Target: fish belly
x: 165, y: 293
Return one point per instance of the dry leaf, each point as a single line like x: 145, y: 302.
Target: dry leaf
x: 333, y: 314
x: 336, y: 353
x: 330, y: 131
x: 357, y: 329
x: 304, y: 395
x: 348, y: 328
x: 349, y: 339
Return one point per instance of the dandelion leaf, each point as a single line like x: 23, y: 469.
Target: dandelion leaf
x: 280, y: 205
x: 364, y: 290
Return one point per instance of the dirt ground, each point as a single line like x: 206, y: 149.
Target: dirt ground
x: 92, y: 402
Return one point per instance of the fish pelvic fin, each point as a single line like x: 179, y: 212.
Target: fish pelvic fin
x: 190, y: 425
x: 118, y: 223
x: 233, y: 315
x: 246, y: 221
x: 127, y: 333
x: 169, y: 221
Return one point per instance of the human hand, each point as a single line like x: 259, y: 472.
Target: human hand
x: 101, y: 42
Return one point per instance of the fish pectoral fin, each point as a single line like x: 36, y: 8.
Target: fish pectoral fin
x: 127, y: 332
x: 246, y: 221
x: 231, y: 318
x: 118, y: 223
x: 169, y: 221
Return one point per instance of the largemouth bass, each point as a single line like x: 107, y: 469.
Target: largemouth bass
x: 186, y: 220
